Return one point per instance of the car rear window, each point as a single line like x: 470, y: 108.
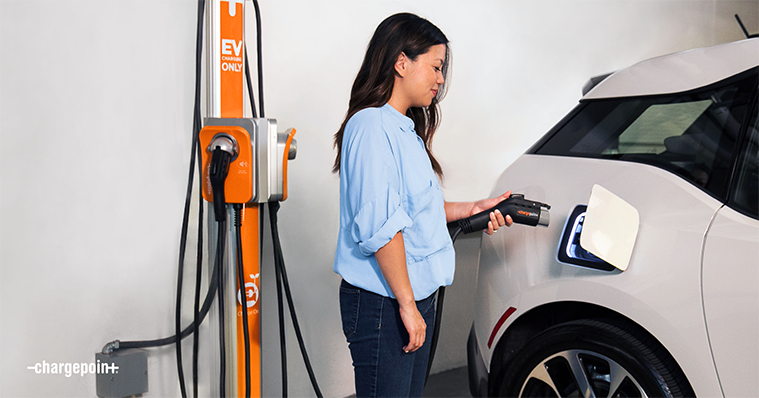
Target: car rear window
x: 692, y: 134
x: 744, y: 195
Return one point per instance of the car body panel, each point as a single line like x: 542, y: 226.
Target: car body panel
x: 685, y: 71
x: 731, y: 300
x: 660, y: 290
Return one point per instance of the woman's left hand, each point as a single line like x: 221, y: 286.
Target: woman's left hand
x: 497, y: 219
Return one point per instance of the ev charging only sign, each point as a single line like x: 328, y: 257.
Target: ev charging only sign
x: 231, y: 55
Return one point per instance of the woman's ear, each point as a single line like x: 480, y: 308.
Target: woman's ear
x: 401, y: 65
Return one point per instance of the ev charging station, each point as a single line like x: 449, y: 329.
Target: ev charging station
x: 243, y: 162
x: 257, y: 174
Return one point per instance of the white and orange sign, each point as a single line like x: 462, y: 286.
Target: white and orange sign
x: 228, y: 55
x: 231, y: 58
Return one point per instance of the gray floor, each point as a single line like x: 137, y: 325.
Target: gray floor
x: 451, y: 383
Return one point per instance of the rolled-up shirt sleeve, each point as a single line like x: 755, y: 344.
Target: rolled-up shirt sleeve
x: 374, y: 202
x: 378, y: 221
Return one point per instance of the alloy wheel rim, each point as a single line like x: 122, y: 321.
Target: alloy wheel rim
x: 580, y: 373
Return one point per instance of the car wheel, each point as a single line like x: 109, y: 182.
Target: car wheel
x: 593, y: 358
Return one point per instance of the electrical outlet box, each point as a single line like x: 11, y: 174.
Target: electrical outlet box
x: 129, y: 376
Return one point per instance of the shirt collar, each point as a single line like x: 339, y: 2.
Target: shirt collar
x: 404, y: 121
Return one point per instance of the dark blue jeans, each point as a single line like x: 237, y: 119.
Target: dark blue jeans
x: 376, y: 337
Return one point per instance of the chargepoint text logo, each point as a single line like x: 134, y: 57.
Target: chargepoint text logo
x: 69, y: 369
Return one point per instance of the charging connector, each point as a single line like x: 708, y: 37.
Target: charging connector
x: 223, y: 149
x: 521, y: 210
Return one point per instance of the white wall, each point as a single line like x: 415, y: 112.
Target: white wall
x: 96, y: 115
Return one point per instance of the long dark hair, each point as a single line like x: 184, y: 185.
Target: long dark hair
x: 400, y: 33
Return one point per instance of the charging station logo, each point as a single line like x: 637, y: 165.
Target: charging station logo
x: 251, y: 292
x: 69, y: 369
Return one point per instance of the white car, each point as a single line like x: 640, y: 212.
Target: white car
x: 659, y: 295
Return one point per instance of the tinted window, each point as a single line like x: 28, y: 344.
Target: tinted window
x: 691, y: 134
x: 745, y: 192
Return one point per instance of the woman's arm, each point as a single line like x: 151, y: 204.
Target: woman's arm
x: 392, y: 262
x: 458, y: 210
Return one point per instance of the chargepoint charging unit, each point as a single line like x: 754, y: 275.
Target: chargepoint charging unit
x: 253, y: 171
x: 257, y: 167
x: 243, y: 163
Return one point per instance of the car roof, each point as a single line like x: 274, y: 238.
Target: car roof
x: 680, y: 71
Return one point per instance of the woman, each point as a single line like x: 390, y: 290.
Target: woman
x: 393, y: 248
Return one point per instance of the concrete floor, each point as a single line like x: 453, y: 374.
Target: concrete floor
x: 451, y: 383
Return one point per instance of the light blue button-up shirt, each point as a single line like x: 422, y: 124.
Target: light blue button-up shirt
x: 387, y: 185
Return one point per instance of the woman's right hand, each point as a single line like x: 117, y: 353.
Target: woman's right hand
x: 415, y: 326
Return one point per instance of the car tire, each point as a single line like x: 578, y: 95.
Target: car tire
x: 593, y: 358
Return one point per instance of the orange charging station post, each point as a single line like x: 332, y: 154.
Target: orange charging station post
x: 226, y: 21
x: 257, y: 174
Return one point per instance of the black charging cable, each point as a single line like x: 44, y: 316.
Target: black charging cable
x: 280, y: 316
x: 122, y: 345
x: 249, y: 84
x: 238, y: 226
x: 197, y: 125
x: 217, y: 172
x: 243, y: 294
x: 439, y: 313
x: 220, y: 299
x: 521, y: 210
x: 279, y: 264
x: 278, y: 255
x: 196, y: 312
x: 259, y: 59
x: 279, y: 260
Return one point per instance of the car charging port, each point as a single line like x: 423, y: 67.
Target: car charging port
x: 570, y: 250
